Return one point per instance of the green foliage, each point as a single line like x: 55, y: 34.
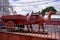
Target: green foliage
x: 50, y: 8
x: 43, y: 12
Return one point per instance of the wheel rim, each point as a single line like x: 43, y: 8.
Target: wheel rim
x: 10, y: 26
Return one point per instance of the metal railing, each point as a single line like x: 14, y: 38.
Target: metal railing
x: 51, y: 31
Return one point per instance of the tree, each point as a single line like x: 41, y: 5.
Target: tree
x: 43, y: 12
x: 50, y: 8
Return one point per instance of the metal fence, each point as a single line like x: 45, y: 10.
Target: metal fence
x: 51, y: 31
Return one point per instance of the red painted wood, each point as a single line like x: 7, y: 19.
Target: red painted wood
x: 0, y: 36
x: 3, y: 36
x: 37, y: 38
x: 53, y: 23
x: 25, y: 37
x: 14, y: 37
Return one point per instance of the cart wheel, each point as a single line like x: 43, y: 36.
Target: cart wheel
x: 10, y: 26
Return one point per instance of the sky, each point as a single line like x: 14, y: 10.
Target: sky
x: 27, y: 6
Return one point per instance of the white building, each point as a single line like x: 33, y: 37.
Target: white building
x: 5, y: 8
